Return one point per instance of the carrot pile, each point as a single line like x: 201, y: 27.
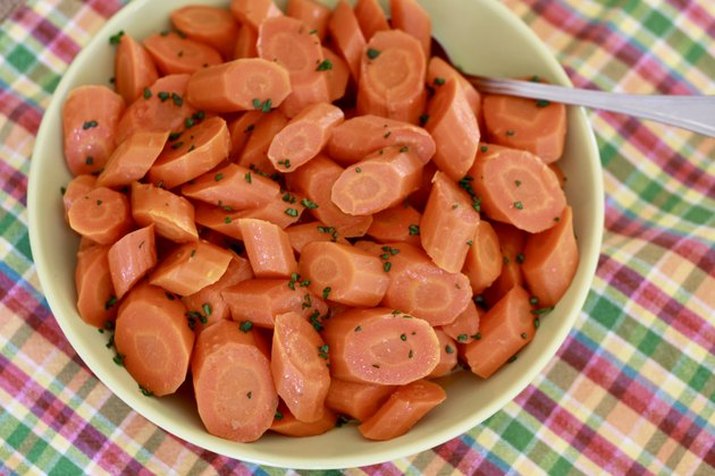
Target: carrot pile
x: 310, y: 217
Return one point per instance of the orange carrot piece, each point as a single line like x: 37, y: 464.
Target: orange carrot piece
x: 255, y: 152
x: 337, y: 76
x: 370, y: 17
x: 314, y: 15
x: 355, y: 138
x: 465, y: 328
x: 299, y: 364
x: 287, y: 424
x: 222, y: 219
x: 239, y: 85
x: 355, y: 399
x: 506, y: 328
x: 343, y: 273
x: 89, y: 121
x: 199, y: 150
x: 153, y: 339
x: 102, y: 215
x: 132, y: 159
x: 377, y: 346
x: 511, y: 245
x: 484, y: 259
x: 405, y: 407
x: 174, y: 54
x: 134, y: 69
x: 559, y: 174
x: 410, y: 17
x: 347, y: 36
x: 213, y: 26
x: 419, y: 197
x: 380, y: 181
x: 171, y: 215
x: 283, y: 211
x: 235, y: 394
x: 241, y: 129
x: 448, y: 224
x: 131, y: 258
x: 254, y: 12
x: 304, y: 233
x: 447, y: 355
x: 246, y: 42
x: 96, y: 301
x: 517, y: 187
x: 233, y: 186
x: 78, y: 187
x: 454, y: 129
x: 550, y: 260
x: 304, y: 136
x: 191, y: 267
x: 268, y: 249
x: 400, y: 223
x: 439, y: 72
x: 392, y: 77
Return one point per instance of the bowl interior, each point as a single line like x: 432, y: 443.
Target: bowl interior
x: 481, y: 36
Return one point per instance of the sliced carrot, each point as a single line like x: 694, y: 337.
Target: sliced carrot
x: 304, y: 136
x: 233, y: 186
x: 378, y: 182
x: 197, y: 151
x: 355, y: 138
x: 255, y: 152
x: 299, y: 363
x: 131, y: 258
x: 511, y: 245
x: 517, y: 187
x: 439, y: 72
x: 254, y: 12
x: 268, y: 248
x: 304, y: 233
x: 222, y: 219
x: 239, y: 85
x: 235, y: 394
x: 410, y: 17
x: 337, y: 75
x: 355, y: 399
x: 313, y: 14
x: 241, y: 129
x: 399, y: 223
x: 484, y: 260
x: 132, y: 159
x: 392, y: 77
x: 175, y: 54
x: 259, y: 301
x: 102, y: 215
x: 419, y: 197
x: 379, y: 346
x: 134, y: 69
x: 454, y: 129
x: 171, y: 215
x: 405, y: 407
x: 559, y: 173
x: 343, y: 273
x: 191, y: 267
x: 78, y: 187
x: 448, y: 224
x: 347, y: 36
x: 246, y: 42
x: 370, y: 17
x: 89, y: 121
x: 465, y: 328
x: 287, y: 424
x: 213, y: 26
x: 505, y: 329
x: 284, y: 210
x: 96, y: 300
x: 447, y: 355
x: 153, y: 339
x: 550, y: 260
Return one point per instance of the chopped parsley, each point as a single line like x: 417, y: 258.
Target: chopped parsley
x: 89, y: 124
x: 372, y: 53
x: 325, y: 65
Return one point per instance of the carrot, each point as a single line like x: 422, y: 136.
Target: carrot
x: 454, y: 129
x: 355, y: 399
x: 175, y: 54
x: 559, y: 174
x: 465, y: 328
x: 255, y: 152
x: 213, y: 26
x: 299, y: 364
x: 397, y: 224
x: 254, y: 12
x: 505, y: 329
x: 347, y: 37
x: 287, y: 424
x: 405, y: 407
x: 102, y: 215
x: 240, y: 85
x: 246, y: 42
x: 447, y: 355
x: 550, y: 260
x: 233, y: 186
x: 241, y: 129
x: 197, y: 151
x: 132, y: 159
x: 96, y: 301
x: 222, y: 219
x: 439, y: 72
x: 370, y: 17
x: 337, y: 75
x: 304, y: 136
x: 392, y: 77
x: 78, y: 187
x: 259, y: 301
x: 410, y: 17
x: 419, y: 197
x: 288, y: 43
x: 235, y: 394
x: 171, y: 215
x: 191, y: 267
x: 343, y: 273
x: 448, y: 224
x: 89, y: 122
x: 355, y: 138
x: 131, y: 258
x: 314, y: 15
x: 153, y: 339
x: 511, y: 245
x: 517, y: 187
x: 484, y: 259
x: 304, y: 233
x: 268, y: 249
x: 314, y: 180
x: 134, y: 69
x: 380, y: 346
x: 284, y: 210
x: 380, y: 181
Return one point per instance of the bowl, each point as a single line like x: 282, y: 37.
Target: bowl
x: 481, y: 36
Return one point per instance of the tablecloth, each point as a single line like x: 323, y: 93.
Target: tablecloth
x: 631, y: 391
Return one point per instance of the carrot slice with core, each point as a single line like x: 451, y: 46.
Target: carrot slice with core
x: 131, y: 258
x: 174, y: 54
x: 233, y: 186
x: 171, y: 215
x: 213, y: 26
x: 399, y: 223
x: 102, y: 215
x: 132, y: 159
x: 268, y: 249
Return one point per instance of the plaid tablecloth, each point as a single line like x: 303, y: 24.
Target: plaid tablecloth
x: 630, y: 392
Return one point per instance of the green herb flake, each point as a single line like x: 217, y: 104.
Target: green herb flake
x: 288, y: 197
x: 387, y: 134
x: 145, y: 391
x: 325, y: 65
x: 178, y: 100
x: 537, y: 322
x: 116, y: 38
x: 470, y: 242
x: 206, y: 307
x: 424, y: 118
x: 462, y: 337
x: 163, y: 95
x: 323, y: 351
x: 326, y: 292
x: 510, y: 132
x: 387, y: 266
x: 448, y: 349
x: 358, y: 170
x: 358, y: 328
x: 518, y: 205
x: 147, y: 93
x: 177, y: 145
x: 414, y: 230
x: 372, y: 53
x: 173, y: 136
x: 511, y: 359
x: 483, y: 149
x: 89, y: 124
x: 307, y: 203
x: 524, y: 335
x: 278, y: 415
x: 542, y: 103
x: 439, y: 81
x: 119, y: 359
x: 534, y: 301
x: 517, y: 183
x: 218, y: 177
x: 227, y: 220
x: 285, y: 163
x: 520, y: 258
x: 404, y: 149
x: 189, y: 122
x: 245, y: 326
x: 403, y: 337
x: 264, y: 106
x: 291, y: 212
x: 477, y: 336
x: 247, y: 177
x: 109, y: 303
x: 315, y: 321
x: 543, y: 310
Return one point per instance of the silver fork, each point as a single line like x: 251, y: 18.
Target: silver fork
x: 694, y: 113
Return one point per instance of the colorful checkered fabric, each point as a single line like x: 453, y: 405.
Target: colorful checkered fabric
x: 631, y: 391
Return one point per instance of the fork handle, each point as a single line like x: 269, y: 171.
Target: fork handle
x: 694, y: 113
